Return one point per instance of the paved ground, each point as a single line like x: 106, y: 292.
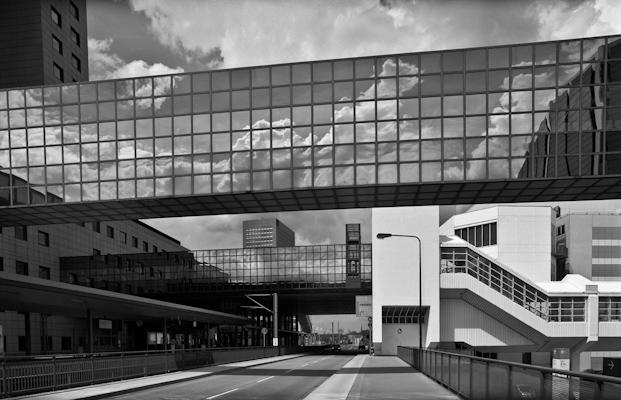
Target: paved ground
x: 313, y: 377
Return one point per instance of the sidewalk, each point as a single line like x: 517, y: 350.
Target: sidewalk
x: 379, y: 377
x: 130, y: 385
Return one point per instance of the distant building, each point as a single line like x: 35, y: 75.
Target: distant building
x: 589, y: 244
x: 45, y: 41
x: 269, y: 232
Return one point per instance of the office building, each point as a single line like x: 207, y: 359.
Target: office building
x: 495, y: 291
x: 589, y: 244
x: 43, y: 42
x: 37, y: 251
x: 268, y: 232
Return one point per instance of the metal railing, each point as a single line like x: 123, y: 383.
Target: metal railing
x: 23, y: 375
x: 550, y: 308
x: 477, y: 378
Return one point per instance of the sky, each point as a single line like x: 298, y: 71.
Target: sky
x: 148, y: 37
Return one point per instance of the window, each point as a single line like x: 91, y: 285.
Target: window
x: 57, y: 44
x: 44, y: 239
x: 75, y: 11
x: 65, y: 343
x: 21, y: 343
x: 135, y: 241
x: 96, y: 227
x: 154, y: 248
x: 44, y: 272
x: 21, y: 232
x: 123, y: 237
x: 145, y: 246
x: 96, y: 252
x: 56, y: 18
x: 58, y: 72
x: 479, y: 235
x: 75, y: 61
x: 75, y: 36
x: 1, y: 264
x: 110, y: 232
x: 21, y: 268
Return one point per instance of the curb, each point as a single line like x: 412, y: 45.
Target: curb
x: 153, y: 385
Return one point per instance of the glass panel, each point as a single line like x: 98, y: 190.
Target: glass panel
x: 430, y: 63
x: 453, y: 61
x: 475, y: 59
x: 301, y: 73
x: 260, y: 76
x: 280, y: 75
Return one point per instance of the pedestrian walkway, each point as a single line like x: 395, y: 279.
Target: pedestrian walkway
x: 379, y: 377
x: 131, y: 385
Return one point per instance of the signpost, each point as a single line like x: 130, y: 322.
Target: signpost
x: 611, y: 366
x: 264, y: 332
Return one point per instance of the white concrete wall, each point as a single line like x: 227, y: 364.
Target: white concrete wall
x: 524, y: 237
x: 579, y: 236
x: 461, y: 322
x: 395, y: 268
x: 525, y: 240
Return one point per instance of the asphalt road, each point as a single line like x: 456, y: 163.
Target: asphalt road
x: 289, y: 379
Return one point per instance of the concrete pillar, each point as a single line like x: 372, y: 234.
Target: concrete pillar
x: 91, y: 341
x: 27, y: 333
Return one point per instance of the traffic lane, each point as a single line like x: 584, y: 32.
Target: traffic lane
x: 391, y: 378
x: 227, y: 383
x: 295, y: 383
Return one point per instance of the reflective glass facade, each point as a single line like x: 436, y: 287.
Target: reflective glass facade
x: 543, y: 110
x: 228, y: 269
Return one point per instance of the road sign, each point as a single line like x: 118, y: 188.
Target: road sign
x: 611, y: 366
x: 264, y: 331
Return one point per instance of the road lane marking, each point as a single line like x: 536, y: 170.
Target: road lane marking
x: 264, y: 379
x: 222, y: 394
x: 338, y: 386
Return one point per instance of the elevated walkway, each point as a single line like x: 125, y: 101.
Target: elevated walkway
x: 545, y: 315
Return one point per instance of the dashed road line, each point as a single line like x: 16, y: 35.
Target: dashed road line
x: 221, y: 394
x: 264, y: 379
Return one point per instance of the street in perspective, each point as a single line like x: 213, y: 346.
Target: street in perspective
x: 313, y: 200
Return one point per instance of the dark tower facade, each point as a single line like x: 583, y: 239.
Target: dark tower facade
x: 42, y: 42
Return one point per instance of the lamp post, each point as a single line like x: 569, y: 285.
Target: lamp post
x: 420, y: 282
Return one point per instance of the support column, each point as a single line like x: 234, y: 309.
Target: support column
x: 275, y: 319
x: 27, y: 333
x: 164, y: 339
x: 91, y: 342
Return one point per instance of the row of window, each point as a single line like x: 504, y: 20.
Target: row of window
x: 22, y: 268
x: 57, y: 44
x: 479, y: 235
x: 21, y: 233
x: 123, y: 238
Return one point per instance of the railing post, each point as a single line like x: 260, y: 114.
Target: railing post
x: 458, y: 374
x: 144, y: 371
x: 542, y: 386
x: 54, y: 371
x: 509, y: 382
x: 122, y: 366
x: 5, y: 389
x: 597, y: 395
x: 486, y: 380
x: 92, y: 368
x: 470, y: 379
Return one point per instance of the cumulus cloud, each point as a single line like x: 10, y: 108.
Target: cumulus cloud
x: 105, y: 64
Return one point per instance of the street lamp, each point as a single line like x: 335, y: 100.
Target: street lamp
x: 420, y: 282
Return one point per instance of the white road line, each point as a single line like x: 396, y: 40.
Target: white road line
x: 222, y: 394
x: 307, y: 364
x: 264, y: 379
x: 337, y: 386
